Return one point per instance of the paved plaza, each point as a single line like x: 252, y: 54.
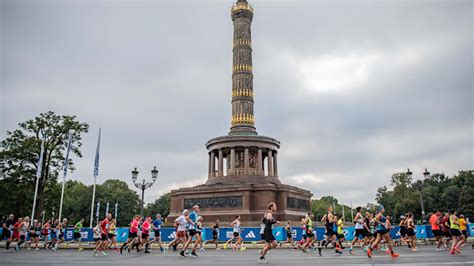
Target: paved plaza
x: 426, y: 256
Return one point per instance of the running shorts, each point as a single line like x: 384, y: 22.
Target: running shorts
x: 180, y: 234
x: 360, y: 232
x: 157, y: 233
x: 110, y: 236
x: 144, y: 236
x: 236, y: 234
x: 199, y: 232
x: 77, y: 235
x: 61, y: 236
x: 464, y: 232
x: 215, y: 236
x: 132, y: 235
x: 447, y: 233
x: 340, y: 236
x: 192, y: 232
x: 456, y: 232
x: 289, y: 235
x: 33, y: 235
x: 330, y: 231
x: 403, y: 231
x: 411, y: 232
x: 53, y: 235
x: 262, y: 236
x: 382, y: 232
x: 6, y: 234
x: 96, y: 239
x: 103, y: 237
x: 310, y: 234
x: 437, y: 232
x: 22, y: 237
x: 268, y: 236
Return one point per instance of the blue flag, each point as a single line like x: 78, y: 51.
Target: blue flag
x: 40, y: 160
x: 96, y: 162
x: 66, y: 160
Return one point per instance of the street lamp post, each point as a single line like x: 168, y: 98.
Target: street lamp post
x: 426, y: 174
x: 144, y: 185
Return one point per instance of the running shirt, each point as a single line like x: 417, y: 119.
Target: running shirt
x: 23, y: 228
x: 262, y: 226
x: 96, y: 232
x: 236, y: 226
x: 444, y: 227
x: 309, y: 225
x: 112, y: 227
x: 78, y: 227
x: 157, y: 224
x: 134, y: 226
x: 146, y: 227
x: 193, y: 217
x: 340, y: 225
x: 381, y: 223
x: 198, y: 227
x: 181, y: 220
x: 359, y: 222
x: 462, y: 224
x: 434, y: 221
x: 9, y: 224
x: 454, y: 224
x: 103, y: 226
x: 329, y: 224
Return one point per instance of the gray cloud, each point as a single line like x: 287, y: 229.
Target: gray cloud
x: 355, y: 90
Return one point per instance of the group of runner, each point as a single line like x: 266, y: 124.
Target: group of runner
x: 372, y: 232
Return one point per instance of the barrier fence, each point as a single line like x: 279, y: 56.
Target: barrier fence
x: 250, y: 234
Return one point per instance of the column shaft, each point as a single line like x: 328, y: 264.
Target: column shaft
x: 270, y: 163
x: 259, y: 162
x: 212, y: 169
x: 246, y: 161
x: 232, y: 161
x: 275, y: 164
x: 220, y: 170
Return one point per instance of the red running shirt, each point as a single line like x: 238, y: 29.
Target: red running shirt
x: 434, y: 222
x: 134, y: 227
x: 146, y: 227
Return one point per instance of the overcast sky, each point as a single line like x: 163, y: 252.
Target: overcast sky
x: 354, y: 90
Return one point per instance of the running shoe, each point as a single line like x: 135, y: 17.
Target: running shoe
x: 17, y: 248
x: 319, y: 251
x: 95, y: 254
x: 395, y: 255
x: 225, y: 246
x: 262, y: 261
x: 456, y: 249
x: 161, y: 249
x: 369, y: 253
x: 37, y: 249
x: 146, y: 251
x: 105, y: 253
x: 452, y: 252
x: 194, y: 255
x: 28, y: 248
x: 218, y: 248
x: 182, y: 255
x: 242, y: 248
x: 202, y: 249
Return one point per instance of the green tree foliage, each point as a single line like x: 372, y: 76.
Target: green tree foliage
x: 319, y: 208
x: 21, y: 151
x: 438, y: 191
x: 160, y: 205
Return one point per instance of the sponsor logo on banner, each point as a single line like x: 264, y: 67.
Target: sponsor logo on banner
x: 124, y: 234
x: 277, y: 233
x: 293, y: 233
x: 69, y: 233
x: 84, y: 234
x: 229, y: 234
x: 345, y: 232
x: 172, y: 235
x: 250, y: 235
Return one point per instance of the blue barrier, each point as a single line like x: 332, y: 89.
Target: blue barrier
x: 471, y: 230
x: 420, y: 231
x: 395, y: 232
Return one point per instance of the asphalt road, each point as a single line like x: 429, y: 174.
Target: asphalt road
x: 425, y: 256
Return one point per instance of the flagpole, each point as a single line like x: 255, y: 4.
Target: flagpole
x: 116, y: 212
x: 96, y: 173
x: 352, y: 212
x: 66, y: 160
x: 38, y: 176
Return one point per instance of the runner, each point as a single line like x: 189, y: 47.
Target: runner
x: 111, y: 235
x: 236, y: 233
x: 34, y: 231
x: 7, y: 228
x: 411, y: 232
x: 132, y: 233
x: 96, y: 238
x: 77, y: 234
x: 156, y: 225
x: 382, y: 233
x: 403, y: 230
x: 304, y: 237
x: 270, y: 241
x: 54, y: 235
x: 445, y: 228
x: 62, y: 231
x: 310, y: 238
x: 330, y: 237
x: 23, y: 231
x: 199, y: 232
x: 103, y: 243
x: 463, y: 228
x: 182, y: 221
x: 289, y: 235
x: 145, y: 240
x: 215, y: 234
x: 45, y: 233
x: 193, y: 216
x: 455, y: 232
x: 16, y: 230
x: 435, y: 228
x: 369, y: 230
x: 359, y: 229
x: 340, y: 235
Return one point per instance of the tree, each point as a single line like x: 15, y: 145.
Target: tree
x: 21, y: 151
x: 160, y: 205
